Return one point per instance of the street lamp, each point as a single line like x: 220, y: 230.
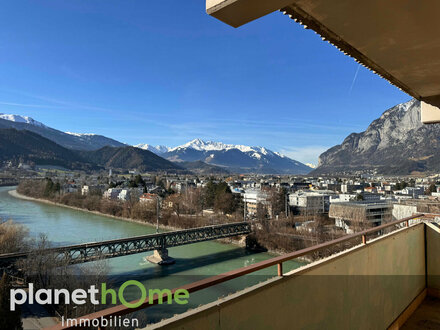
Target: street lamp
x: 157, y: 213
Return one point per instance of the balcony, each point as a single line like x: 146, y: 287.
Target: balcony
x: 374, y: 283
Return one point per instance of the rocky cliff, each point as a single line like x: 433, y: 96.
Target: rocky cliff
x: 395, y: 143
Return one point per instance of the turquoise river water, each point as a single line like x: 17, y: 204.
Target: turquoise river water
x: 65, y: 226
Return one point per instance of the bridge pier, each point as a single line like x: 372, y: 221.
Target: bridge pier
x: 161, y: 257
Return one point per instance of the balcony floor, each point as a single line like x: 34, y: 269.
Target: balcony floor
x: 427, y: 316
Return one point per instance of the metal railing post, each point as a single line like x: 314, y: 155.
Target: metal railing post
x: 280, y: 269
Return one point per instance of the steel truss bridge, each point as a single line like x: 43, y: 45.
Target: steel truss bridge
x: 79, y: 253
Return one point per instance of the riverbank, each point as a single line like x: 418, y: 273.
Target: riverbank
x: 240, y: 242
x: 14, y: 193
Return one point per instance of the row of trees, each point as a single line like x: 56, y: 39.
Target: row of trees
x: 178, y: 210
x: 192, y: 201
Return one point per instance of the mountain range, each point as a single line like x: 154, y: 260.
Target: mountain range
x: 395, y: 143
x: 197, y: 155
x: 231, y: 157
x: 26, y: 146
x: 67, y: 140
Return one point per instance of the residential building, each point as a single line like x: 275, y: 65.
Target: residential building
x: 112, y: 193
x: 252, y: 198
x: 148, y: 198
x: 359, y: 215
x: 309, y: 202
x: 85, y: 190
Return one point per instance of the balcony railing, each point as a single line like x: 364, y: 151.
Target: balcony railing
x: 217, y: 279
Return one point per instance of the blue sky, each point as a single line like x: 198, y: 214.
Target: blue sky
x: 164, y: 72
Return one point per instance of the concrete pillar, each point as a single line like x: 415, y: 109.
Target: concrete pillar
x: 161, y: 257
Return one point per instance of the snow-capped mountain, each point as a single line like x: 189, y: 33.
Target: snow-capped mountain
x: 95, y: 141
x: 68, y: 140
x: 159, y: 149
x: 236, y: 158
x: 198, y: 144
x: 21, y: 119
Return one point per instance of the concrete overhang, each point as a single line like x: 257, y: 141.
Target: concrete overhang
x: 397, y: 39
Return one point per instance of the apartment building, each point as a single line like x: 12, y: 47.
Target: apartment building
x: 362, y: 214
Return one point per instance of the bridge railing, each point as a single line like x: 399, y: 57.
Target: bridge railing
x: 217, y: 279
x: 84, y: 252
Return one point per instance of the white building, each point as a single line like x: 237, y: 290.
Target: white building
x: 85, y: 190
x: 309, y: 201
x: 414, y: 192
x: 252, y: 198
x: 126, y: 194
x: 112, y: 193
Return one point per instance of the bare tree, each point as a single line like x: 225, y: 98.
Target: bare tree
x: 13, y: 237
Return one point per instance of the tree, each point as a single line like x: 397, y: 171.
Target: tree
x: 401, y: 185
x: 193, y: 200
x: 49, y: 189
x: 209, y: 194
x: 215, y: 192
x: 278, y: 201
x: 177, y: 204
x: 8, y: 319
x: 262, y: 213
x: 161, y: 184
x: 136, y: 182
x: 224, y: 202
x: 359, y: 197
x: 432, y: 188
x: 13, y: 237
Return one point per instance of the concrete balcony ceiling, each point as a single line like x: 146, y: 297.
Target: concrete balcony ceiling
x: 397, y: 39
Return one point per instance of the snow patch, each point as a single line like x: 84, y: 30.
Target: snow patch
x: 21, y: 119
x: 159, y: 149
x: 80, y: 134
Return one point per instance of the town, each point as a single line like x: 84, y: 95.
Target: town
x: 288, y: 212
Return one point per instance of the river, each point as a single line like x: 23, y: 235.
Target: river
x: 65, y: 226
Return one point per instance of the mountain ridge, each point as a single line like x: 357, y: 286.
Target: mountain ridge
x: 129, y: 157
x: 236, y: 158
x: 210, y: 155
x: 395, y: 143
x: 158, y: 149
x: 23, y: 146
x: 74, y: 142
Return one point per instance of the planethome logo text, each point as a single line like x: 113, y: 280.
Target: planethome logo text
x: 96, y: 296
